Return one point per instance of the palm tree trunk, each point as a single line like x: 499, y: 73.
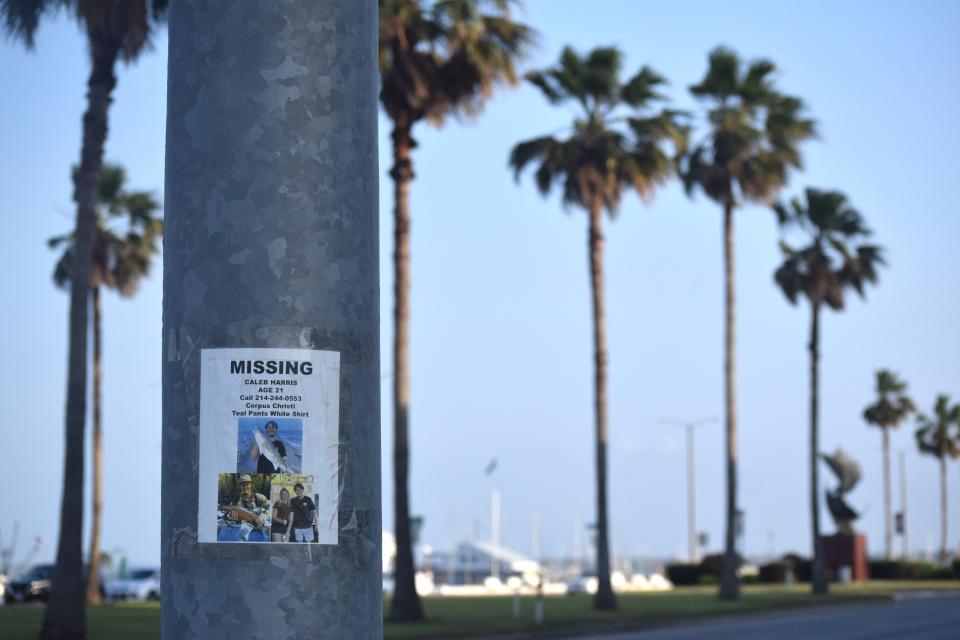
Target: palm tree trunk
x: 887, y: 508
x: 605, y: 598
x: 819, y: 577
x: 64, y: 616
x: 93, y: 556
x: 406, y: 604
x: 943, y: 509
x: 729, y: 583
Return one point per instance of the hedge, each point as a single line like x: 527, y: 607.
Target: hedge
x: 774, y: 572
x: 910, y: 570
x: 684, y: 573
x: 802, y: 567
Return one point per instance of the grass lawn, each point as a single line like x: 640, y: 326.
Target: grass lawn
x: 474, y: 617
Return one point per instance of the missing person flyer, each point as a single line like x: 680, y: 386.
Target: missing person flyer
x: 269, y: 433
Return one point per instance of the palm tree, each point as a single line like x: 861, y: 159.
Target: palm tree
x: 934, y: 438
x: 120, y: 261
x: 616, y: 143
x: 115, y: 30
x: 750, y: 146
x: 891, y: 408
x: 822, y: 271
x: 437, y: 58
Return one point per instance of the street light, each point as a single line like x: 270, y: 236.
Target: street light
x: 902, y: 525
x: 494, y: 521
x: 693, y: 550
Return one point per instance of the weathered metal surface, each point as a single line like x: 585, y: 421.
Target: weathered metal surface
x: 272, y: 241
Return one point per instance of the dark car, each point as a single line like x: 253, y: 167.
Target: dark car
x: 33, y: 585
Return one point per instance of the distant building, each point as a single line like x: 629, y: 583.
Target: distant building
x: 474, y: 562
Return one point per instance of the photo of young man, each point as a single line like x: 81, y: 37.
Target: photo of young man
x: 270, y: 445
x: 271, y: 456
x: 304, y: 515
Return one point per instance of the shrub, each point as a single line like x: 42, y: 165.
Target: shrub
x: 707, y: 579
x: 925, y: 571
x: 683, y: 573
x: 908, y: 570
x: 892, y: 570
x: 956, y: 568
x: 713, y: 564
x: 802, y: 567
x: 774, y: 572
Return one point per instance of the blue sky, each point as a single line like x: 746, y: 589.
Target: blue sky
x: 501, y: 352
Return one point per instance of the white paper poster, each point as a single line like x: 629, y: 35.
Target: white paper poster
x: 269, y: 434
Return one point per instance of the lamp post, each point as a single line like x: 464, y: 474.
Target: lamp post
x: 271, y: 247
x: 903, y: 505
x: 495, y: 532
x: 693, y: 549
x: 494, y: 520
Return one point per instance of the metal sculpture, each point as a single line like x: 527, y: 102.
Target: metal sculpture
x: 848, y: 475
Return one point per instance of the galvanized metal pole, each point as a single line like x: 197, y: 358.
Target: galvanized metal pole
x: 693, y: 551
x: 272, y: 242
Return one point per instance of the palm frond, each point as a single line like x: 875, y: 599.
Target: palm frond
x: 601, y: 71
x: 756, y: 87
x: 602, y: 158
x: 935, y: 433
x: 723, y: 75
x: 641, y: 89
x: 754, y: 136
x: 831, y: 263
x: 548, y: 86
x: 21, y: 18
x: 446, y: 57
x: 790, y: 279
x: 120, y: 258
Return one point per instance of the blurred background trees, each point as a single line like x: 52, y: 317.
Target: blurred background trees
x: 835, y: 260
x: 122, y: 257
x: 891, y: 407
x: 115, y: 31
x: 438, y: 59
x: 938, y: 435
x: 748, y: 144
x: 617, y: 142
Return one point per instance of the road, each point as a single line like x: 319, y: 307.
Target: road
x: 916, y: 618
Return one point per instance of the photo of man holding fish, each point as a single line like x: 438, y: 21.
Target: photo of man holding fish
x: 270, y: 446
x: 270, y: 452
x: 243, y: 511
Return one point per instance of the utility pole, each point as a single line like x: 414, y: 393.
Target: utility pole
x: 535, y: 537
x: 495, y: 532
x: 903, y: 504
x: 271, y: 261
x: 693, y: 550
x: 452, y: 542
x: 494, y: 520
x: 577, y: 542
x: 6, y: 553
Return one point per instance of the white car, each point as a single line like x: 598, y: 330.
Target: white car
x: 138, y: 586
x: 583, y: 584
